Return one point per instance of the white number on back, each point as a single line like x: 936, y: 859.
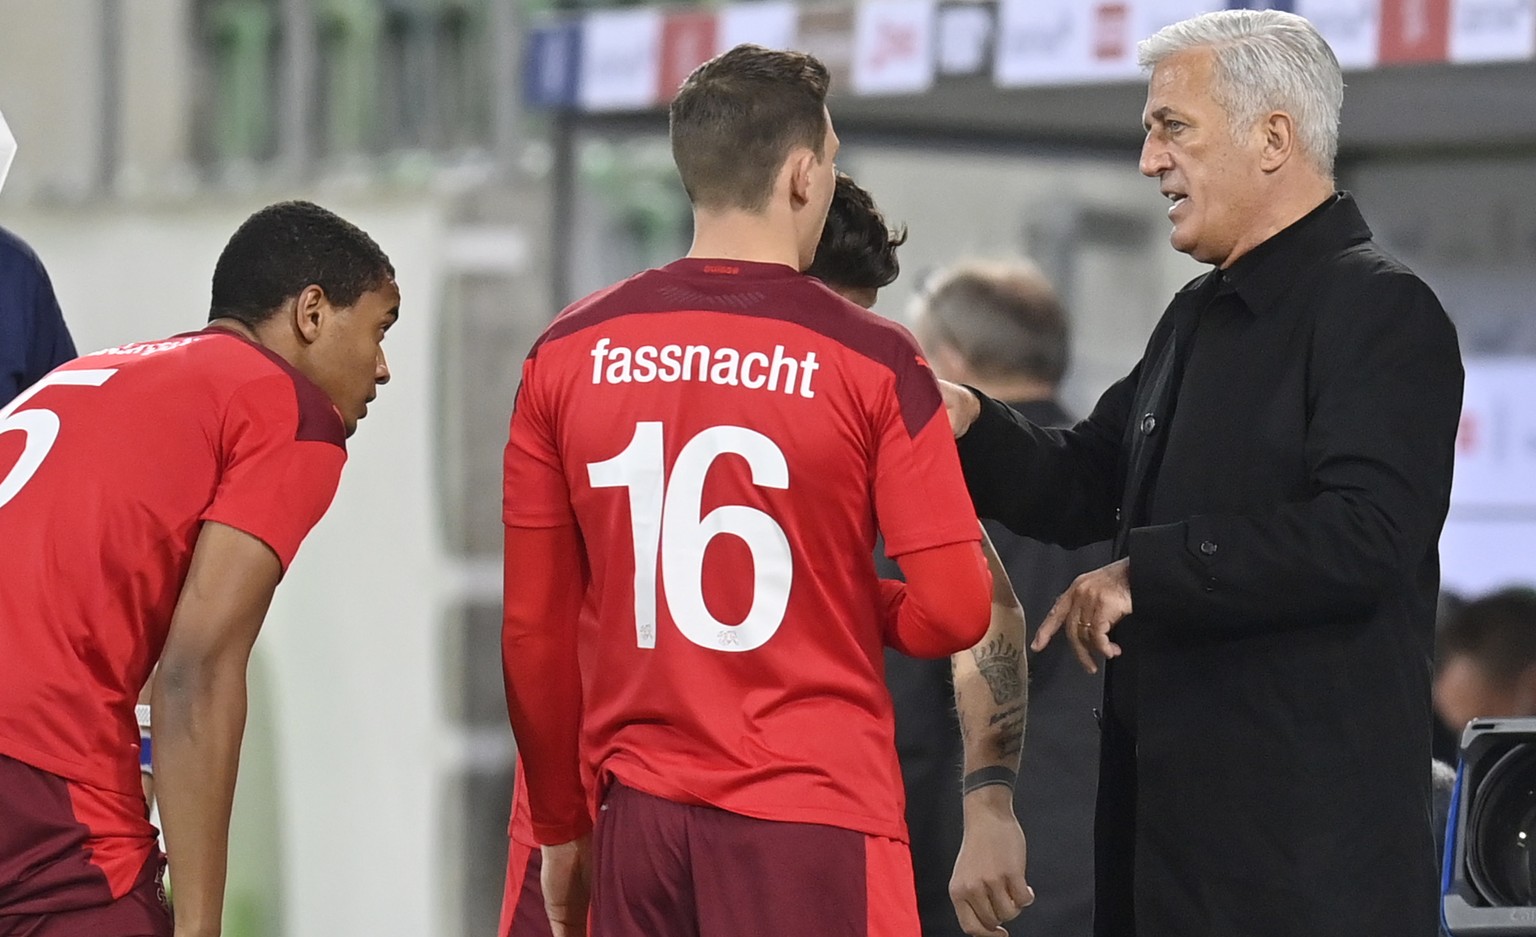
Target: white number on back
x: 666, y: 525
x: 41, y: 426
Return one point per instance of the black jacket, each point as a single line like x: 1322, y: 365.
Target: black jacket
x: 1277, y: 468
x: 1055, y: 793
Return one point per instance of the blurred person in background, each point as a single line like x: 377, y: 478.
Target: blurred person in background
x: 1275, y: 472
x: 1485, y: 659
x: 999, y: 326
x: 745, y: 764
x: 856, y: 257
x: 33, y: 337
x: 151, y: 497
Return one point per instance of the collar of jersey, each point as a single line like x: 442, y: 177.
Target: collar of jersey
x: 734, y: 269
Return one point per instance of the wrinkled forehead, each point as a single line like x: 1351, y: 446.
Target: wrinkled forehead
x: 1182, y: 79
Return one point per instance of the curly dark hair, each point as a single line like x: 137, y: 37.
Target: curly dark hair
x: 286, y: 247
x: 857, y: 250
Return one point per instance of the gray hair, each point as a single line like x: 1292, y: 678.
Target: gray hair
x: 1003, y: 317
x: 1266, y: 60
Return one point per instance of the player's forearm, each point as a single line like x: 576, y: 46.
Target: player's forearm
x: 199, y: 721
x: 991, y: 681
x: 540, y: 608
x: 544, y: 707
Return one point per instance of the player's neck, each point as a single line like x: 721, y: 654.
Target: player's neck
x: 235, y: 326
x: 744, y: 236
x: 268, y: 335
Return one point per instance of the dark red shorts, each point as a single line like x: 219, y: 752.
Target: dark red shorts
x: 522, y: 902
x: 663, y: 869
x: 72, y: 863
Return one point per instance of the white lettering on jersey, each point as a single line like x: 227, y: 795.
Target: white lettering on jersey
x: 727, y: 367
x: 144, y: 349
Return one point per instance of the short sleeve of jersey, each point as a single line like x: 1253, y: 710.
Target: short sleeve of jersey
x: 920, y: 497
x: 275, y: 482
x: 535, y: 493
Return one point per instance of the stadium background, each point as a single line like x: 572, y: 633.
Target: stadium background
x: 510, y: 156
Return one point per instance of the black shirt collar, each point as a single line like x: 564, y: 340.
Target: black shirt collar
x: 1261, y: 276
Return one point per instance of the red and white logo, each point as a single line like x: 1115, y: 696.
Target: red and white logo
x: 1111, y: 31
x: 893, y: 47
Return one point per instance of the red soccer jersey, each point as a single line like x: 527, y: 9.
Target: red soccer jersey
x: 108, y: 467
x: 728, y: 437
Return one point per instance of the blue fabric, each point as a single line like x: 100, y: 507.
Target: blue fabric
x: 33, y: 338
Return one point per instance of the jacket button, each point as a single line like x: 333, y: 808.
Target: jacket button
x: 1208, y: 548
x: 1148, y: 425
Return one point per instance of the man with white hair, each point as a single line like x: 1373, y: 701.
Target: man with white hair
x: 1275, y: 473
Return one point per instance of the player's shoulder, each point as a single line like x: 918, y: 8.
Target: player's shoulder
x: 883, y: 342
x: 593, y: 309
x: 228, y: 370
x: 14, y: 252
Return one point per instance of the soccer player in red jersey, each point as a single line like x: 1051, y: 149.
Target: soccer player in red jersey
x: 729, y: 687
x: 856, y: 258
x: 151, y: 497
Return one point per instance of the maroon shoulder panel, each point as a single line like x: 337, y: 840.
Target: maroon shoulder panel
x: 318, y: 419
x: 772, y: 292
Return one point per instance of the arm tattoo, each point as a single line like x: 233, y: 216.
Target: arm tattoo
x: 998, y: 660
x: 1009, y: 737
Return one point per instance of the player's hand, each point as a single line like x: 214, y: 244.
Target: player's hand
x: 1089, y: 610
x: 961, y: 405
x: 566, y: 875
x: 988, y: 887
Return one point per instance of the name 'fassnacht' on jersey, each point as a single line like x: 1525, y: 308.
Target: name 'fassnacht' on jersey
x: 754, y: 370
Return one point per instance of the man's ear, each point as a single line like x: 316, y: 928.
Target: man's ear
x: 802, y: 166
x: 1279, y: 132
x: 310, y: 308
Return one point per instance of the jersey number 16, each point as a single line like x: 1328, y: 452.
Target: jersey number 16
x: 666, y: 524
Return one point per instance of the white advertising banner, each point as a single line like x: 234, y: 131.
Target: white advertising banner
x: 1492, y: 30
x: 965, y: 38
x: 770, y: 24
x: 893, y: 47
x: 620, y: 59
x: 1490, y: 536
x: 1351, y: 27
x: 1048, y: 42
x: 1148, y: 16
x: 1496, y: 448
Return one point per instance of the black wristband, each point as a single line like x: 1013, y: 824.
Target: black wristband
x: 985, y: 777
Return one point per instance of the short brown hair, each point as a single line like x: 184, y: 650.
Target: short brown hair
x: 1498, y: 631
x: 1004, y: 319
x: 736, y: 118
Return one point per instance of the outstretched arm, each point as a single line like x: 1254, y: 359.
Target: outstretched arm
x: 992, y: 699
